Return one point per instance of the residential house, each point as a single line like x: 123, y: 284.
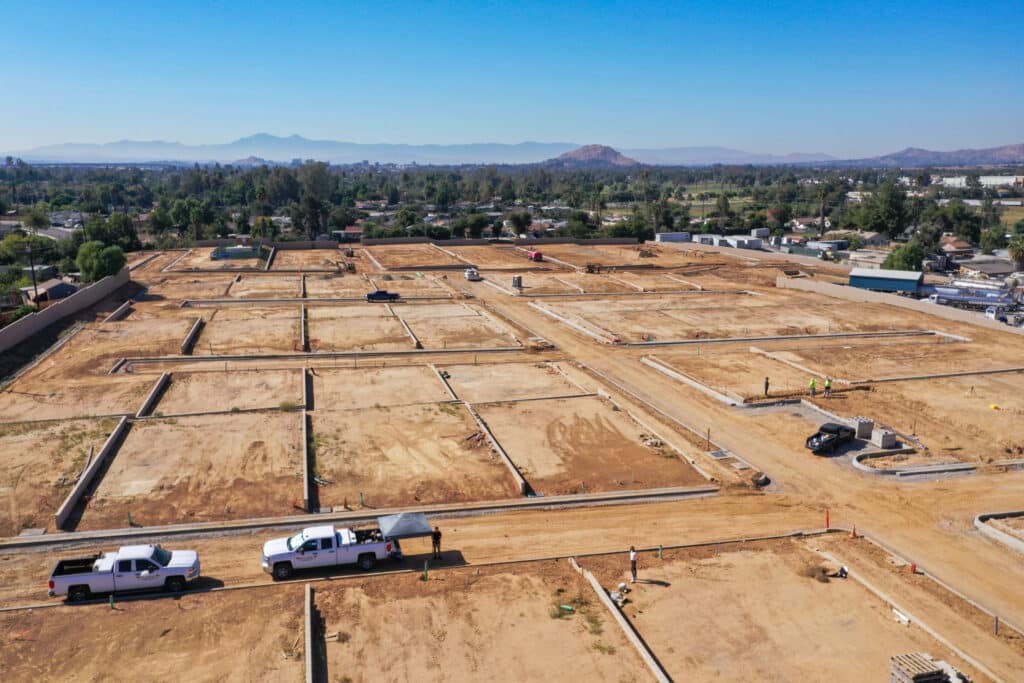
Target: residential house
x: 49, y: 291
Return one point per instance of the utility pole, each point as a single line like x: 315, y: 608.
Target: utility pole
x: 32, y: 267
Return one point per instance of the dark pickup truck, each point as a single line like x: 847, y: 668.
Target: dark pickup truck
x: 383, y: 295
x: 829, y: 437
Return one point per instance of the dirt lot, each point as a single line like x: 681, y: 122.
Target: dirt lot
x: 499, y: 258
x: 409, y: 286
x: 406, y: 455
x: 455, y: 326
x: 199, y: 637
x: 201, y: 469
x: 582, y: 444
x: 249, y: 329
x: 335, y: 286
x: 508, y: 381
x: 355, y: 385
x: 490, y: 624
x: 760, y: 611
x: 199, y: 259
x: 411, y: 257
x: 623, y: 256
x: 40, y: 463
x: 359, y: 327
x: 53, y: 398
x: 199, y: 392
x: 179, y: 288
x: 307, y: 259
x: 266, y: 287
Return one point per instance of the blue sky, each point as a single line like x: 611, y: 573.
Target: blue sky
x: 850, y: 79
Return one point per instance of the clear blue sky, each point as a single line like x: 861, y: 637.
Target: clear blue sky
x: 850, y: 79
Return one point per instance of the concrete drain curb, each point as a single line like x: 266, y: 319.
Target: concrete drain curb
x: 981, y: 523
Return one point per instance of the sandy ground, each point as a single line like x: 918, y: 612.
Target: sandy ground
x: 178, y: 288
x: 199, y: 259
x: 258, y: 286
x: 52, y: 398
x: 355, y: 385
x: 201, y: 468
x: 411, y: 256
x: 624, y: 255
x: 40, y: 463
x: 750, y: 612
x: 455, y: 326
x: 497, y: 258
x: 469, y: 624
x: 359, y: 327
x: 490, y: 382
x: 211, y: 637
x: 406, y: 455
x: 575, y: 445
x: 307, y: 259
x: 409, y: 286
x: 249, y: 329
x: 222, y: 391
x: 336, y: 286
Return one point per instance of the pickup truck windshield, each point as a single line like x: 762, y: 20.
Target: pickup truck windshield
x: 162, y: 557
x: 295, y: 541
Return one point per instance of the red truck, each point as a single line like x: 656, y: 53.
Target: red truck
x: 535, y: 255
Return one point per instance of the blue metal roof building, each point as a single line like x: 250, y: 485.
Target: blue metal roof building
x: 886, y: 280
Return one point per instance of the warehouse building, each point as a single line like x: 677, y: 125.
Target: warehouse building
x: 886, y: 280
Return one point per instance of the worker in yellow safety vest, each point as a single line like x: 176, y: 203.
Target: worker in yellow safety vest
x: 813, y: 386
x: 828, y: 387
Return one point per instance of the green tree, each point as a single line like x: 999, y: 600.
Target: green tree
x: 1016, y: 249
x: 97, y: 261
x: 521, y: 221
x: 906, y: 257
x: 38, y: 217
x: 992, y: 239
x: 159, y: 220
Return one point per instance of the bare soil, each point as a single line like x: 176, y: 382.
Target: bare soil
x: 234, y: 330
x: 41, y: 462
x: 52, y: 398
x: 490, y: 624
x: 181, y: 287
x: 497, y: 258
x: 336, y: 286
x: 456, y: 326
x: 197, y: 637
x: 411, y: 256
x: 489, y: 382
x: 201, y: 469
x: 1011, y: 525
x: 406, y: 455
x: 199, y: 259
x: 581, y: 445
x: 359, y: 327
x: 258, y: 286
x: 307, y: 259
x: 355, y: 385
x: 199, y: 392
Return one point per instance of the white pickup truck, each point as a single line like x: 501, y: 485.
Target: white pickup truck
x: 326, y: 546
x: 131, y: 568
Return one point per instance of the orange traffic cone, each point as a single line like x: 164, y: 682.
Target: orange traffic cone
x: 853, y: 533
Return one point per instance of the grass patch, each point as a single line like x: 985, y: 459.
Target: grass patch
x: 604, y: 648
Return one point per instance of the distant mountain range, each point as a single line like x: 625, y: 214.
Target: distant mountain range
x: 257, y: 148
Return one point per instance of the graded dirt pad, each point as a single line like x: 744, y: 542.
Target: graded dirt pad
x: 307, y: 259
x: 320, y: 286
x: 197, y: 637
x: 971, y: 419
x: 456, y: 326
x: 177, y: 288
x: 359, y: 327
x: 409, y: 286
x: 734, y: 370
x: 490, y: 382
x: 199, y: 259
x: 37, y: 398
x: 761, y: 611
x: 39, y: 464
x: 201, y: 469
x: 564, y: 446
x: 249, y: 329
x: 498, y: 258
x: 215, y: 390
x: 492, y: 624
x: 95, y: 349
x: 411, y: 256
x: 622, y: 255
x: 354, y: 385
x: 1011, y: 525
x: 406, y: 455
x: 254, y: 286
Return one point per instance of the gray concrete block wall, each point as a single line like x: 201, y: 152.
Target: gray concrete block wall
x: 85, y: 480
x: 190, y: 338
x: 151, y: 397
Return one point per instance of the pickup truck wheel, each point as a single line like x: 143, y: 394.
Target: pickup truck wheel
x: 282, y: 571
x: 79, y: 593
x: 366, y: 562
x: 175, y: 584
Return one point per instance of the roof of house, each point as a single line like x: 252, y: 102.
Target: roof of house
x: 49, y: 285
x: 990, y: 267
x: 878, y: 273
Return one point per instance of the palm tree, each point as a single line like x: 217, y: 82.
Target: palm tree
x: 1016, y: 249
x: 38, y: 218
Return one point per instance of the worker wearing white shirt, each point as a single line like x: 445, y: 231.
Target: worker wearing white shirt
x: 632, y: 563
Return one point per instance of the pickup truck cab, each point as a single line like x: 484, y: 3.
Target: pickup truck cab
x: 131, y: 568
x: 383, y: 295
x: 327, y: 546
x: 472, y: 274
x: 829, y: 437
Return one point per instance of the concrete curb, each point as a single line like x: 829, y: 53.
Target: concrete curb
x: 306, y: 382
x: 303, y: 326
x: 498, y: 287
x: 575, y: 326
x: 940, y: 375
x: 119, y: 312
x: 689, y: 381
x: 85, y: 480
x: 190, y: 338
x: 447, y: 386
x: 144, y: 261
x: 631, y: 633
x: 524, y: 488
x: 302, y: 286
x: 307, y: 465
x: 408, y: 330
x: 829, y: 335
x: 270, y: 259
x: 310, y: 607
x: 981, y: 523
x: 858, y: 462
x: 147, y: 404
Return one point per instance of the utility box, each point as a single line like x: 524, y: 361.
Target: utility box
x: 883, y: 438
x: 517, y: 281
x: 864, y: 426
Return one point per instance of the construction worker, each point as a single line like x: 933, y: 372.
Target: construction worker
x: 813, y: 386
x: 828, y: 387
x: 766, y: 385
x: 435, y: 539
x: 632, y: 564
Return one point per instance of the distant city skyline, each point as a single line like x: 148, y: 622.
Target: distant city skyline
x: 844, y: 79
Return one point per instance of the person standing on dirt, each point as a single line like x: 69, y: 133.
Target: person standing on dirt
x: 766, y: 385
x: 828, y: 387
x: 435, y: 539
x: 813, y: 386
x: 632, y: 564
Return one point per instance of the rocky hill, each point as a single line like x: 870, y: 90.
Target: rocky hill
x: 592, y: 156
